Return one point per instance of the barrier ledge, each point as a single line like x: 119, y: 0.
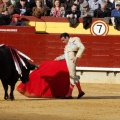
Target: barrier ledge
x: 99, y: 26
x: 99, y: 69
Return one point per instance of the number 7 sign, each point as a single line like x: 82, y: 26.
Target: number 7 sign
x: 99, y: 28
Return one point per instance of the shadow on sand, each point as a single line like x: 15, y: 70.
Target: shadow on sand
x: 74, y: 98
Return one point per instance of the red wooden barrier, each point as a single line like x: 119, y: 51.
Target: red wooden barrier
x: 18, y: 29
x: 100, y: 51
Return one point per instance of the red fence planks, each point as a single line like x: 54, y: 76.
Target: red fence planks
x: 100, y: 51
x: 18, y: 29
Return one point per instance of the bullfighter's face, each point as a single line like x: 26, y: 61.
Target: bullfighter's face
x: 65, y: 39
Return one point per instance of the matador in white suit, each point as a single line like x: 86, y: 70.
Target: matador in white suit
x: 72, y: 51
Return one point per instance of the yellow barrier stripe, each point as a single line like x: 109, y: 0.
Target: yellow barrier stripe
x: 60, y: 27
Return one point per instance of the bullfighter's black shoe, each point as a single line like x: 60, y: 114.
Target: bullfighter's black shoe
x: 80, y: 95
x: 69, y: 97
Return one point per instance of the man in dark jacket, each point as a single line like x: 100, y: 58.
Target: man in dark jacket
x: 73, y: 14
x: 23, y: 8
x: 102, y: 12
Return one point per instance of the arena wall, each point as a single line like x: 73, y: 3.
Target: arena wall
x: 101, y: 51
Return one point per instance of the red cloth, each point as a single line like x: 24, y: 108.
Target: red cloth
x: 49, y: 81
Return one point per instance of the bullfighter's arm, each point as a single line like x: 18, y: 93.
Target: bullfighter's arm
x: 61, y: 57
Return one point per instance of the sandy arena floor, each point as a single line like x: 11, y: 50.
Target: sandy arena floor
x: 101, y: 102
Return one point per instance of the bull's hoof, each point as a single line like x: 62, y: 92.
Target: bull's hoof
x: 12, y: 98
x: 6, y: 98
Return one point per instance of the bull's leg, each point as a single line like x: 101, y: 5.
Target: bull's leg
x: 5, y: 86
x: 11, y: 92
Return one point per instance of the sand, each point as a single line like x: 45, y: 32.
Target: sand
x: 101, y: 102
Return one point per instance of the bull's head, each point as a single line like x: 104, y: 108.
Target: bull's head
x: 25, y: 71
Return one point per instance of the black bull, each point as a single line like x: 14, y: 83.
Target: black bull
x: 8, y: 73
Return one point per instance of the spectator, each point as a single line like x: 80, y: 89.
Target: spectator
x: 32, y: 3
x: 80, y: 4
x: 102, y: 11
x: 115, y: 15
x: 6, y: 8
x: 86, y: 12
x: 77, y: 3
x: 114, y: 3
x: 87, y: 15
x: 23, y: 8
x: 16, y: 20
x: 62, y: 2
x: 101, y: 1
x: 109, y: 5
x: 13, y: 2
x: 73, y: 14
x: 57, y: 10
x: 47, y: 4
x: 38, y: 10
x: 93, y: 4
x: 67, y: 4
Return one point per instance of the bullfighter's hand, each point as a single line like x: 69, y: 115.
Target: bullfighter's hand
x: 56, y: 58
x: 74, y: 59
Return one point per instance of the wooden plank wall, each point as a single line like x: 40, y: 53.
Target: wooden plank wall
x: 101, y: 51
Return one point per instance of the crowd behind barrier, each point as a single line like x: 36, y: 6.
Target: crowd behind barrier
x: 71, y: 9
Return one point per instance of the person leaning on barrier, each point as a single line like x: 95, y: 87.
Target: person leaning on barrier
x: 72, y: 51
x: 73, y: 15
x: 86, y: 15
x: 38, y: 11
x: 115, y: 16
